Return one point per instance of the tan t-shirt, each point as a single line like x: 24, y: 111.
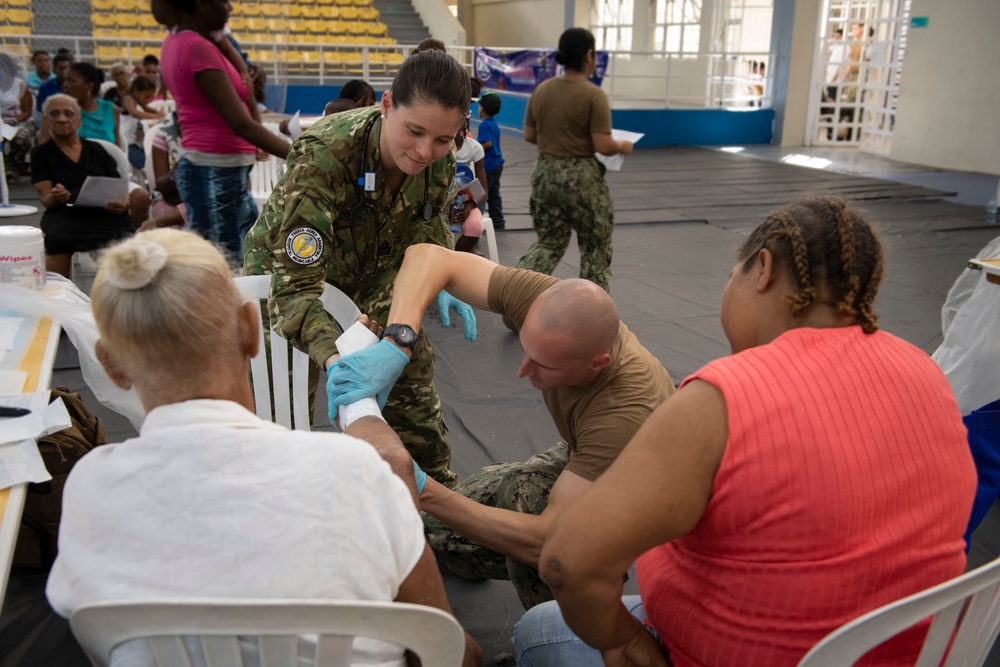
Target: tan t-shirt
x: 598, y: 420
x: 565, y: 112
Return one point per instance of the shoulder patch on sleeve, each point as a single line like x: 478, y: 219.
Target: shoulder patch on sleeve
x: 304, y: 245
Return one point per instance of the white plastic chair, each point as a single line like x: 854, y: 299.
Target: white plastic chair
x: 344, y: 313
x: 967, y: 608
x: 264, y: 175
x: 433, y: 635
x: 491, y: 239
x: 149, y: 135
x: 118, y: 155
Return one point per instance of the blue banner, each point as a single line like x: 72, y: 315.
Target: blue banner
x: 522, y: 71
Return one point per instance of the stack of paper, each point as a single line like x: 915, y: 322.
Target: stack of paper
x: 20, y: 461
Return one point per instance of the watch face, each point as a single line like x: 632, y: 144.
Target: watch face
x: 405, y: 335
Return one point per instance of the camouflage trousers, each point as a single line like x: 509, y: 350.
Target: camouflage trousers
x: 519, y: 487
x: 569, y: 194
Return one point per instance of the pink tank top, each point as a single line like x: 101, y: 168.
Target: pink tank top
x: 846, y: 484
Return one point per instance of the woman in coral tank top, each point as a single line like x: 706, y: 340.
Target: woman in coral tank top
x: 819, y: 472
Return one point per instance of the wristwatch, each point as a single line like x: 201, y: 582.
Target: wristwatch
x: 403, y: 334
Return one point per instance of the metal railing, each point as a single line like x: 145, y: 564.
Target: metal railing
x: 634, y: 79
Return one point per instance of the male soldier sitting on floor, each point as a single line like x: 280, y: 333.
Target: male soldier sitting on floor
x: 598, y: 382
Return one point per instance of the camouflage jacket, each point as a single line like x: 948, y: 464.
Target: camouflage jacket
x: 306, y: 234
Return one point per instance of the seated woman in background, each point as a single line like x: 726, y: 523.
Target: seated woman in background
x: 167, y: 209
x: 58, y: 169
x: 818, y: 473
x: 16, y: 110
x: 100, y: 117
x: 175, y: 513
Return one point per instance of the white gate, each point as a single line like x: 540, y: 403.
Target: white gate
x: 856, y: 83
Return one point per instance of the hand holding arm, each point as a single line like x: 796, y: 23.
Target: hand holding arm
x: 366, y: 373
x: 52, y: 195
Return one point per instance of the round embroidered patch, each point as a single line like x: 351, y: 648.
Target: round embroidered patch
x: 304, y: 246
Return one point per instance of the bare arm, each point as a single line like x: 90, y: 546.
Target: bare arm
x: 427, y: 269
x: 605, y: 145
x: 424, y: 586
x: 26, y: 107
x: 380, y: 435
x: 215, y: 85
x: 668, y: 470
x: 481, y: 175
x: 51, y: 196
x: 530, y: 134
x: 137, y: 111
x: 514, y: 534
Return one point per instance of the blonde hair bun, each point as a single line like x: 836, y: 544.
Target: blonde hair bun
x: 134, y: 264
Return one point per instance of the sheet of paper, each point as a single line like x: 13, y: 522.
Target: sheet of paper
x: 295, y: 126
x: 99, y: 190
x: 8, y: 330
x: 8, y: 131
x: 12, y: 382
x: 56, y: 418
x: 615, y: 162
x: 21, y: 463
x: 31, y: 425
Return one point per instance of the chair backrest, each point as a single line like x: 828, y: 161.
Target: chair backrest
x: 150, y: 130
x: 491, y: 240
x: 118, y: 155
x: 966, y: 613
x: 344, y: 313
x: 436, y: 637
x: 265, y: 174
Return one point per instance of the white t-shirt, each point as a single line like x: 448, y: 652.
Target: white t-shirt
x: 212, y: 502
x: 466, y: 158
x: 838, y: 54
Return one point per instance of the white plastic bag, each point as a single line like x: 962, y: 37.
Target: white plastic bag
x: 70, y: 307
x: 970, y: 353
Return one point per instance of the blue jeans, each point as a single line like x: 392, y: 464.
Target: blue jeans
x: 543, y: 639
x: 219, y: 205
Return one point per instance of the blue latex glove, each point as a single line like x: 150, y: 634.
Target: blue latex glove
x: 420, y: 476
x: 464, y: 310
x: 368, y: 372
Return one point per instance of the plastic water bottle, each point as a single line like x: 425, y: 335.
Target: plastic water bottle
x: 991, y: 211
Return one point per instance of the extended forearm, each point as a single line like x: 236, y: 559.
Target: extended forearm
x: 593, y: 609
x: 514, y: 534
x: 380, y: 435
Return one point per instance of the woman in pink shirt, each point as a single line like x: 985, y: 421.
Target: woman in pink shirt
x: 819, y: 472
x: 218, y: 135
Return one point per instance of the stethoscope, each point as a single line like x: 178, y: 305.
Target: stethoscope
x: 365, y: 211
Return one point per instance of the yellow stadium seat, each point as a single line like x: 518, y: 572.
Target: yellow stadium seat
x: 368, y: 13
x: 147, y: 21
x: 249, y: 9
x: 18, y: 16
x: 256, y: 25
x: 16, y: 29
x: 377, y: 29
x: 348, y: 13
x: 343, y: 3
x: 277, y: 26
x: 298, y: 26
x: 103, y: 20
x: 102, y: 5
x: 26, y: 4
x: 271, y: 9
x: 295, y: 11
x: 362, y: 3
x: 237, y: 24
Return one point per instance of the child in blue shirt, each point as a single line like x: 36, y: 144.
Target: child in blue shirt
x: 489, y: 138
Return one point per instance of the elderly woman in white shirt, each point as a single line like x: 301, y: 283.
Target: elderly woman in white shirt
x: 209, y: 501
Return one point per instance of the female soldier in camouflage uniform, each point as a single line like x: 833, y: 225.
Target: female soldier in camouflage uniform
x: 360, y: 188
x: 570, y: 119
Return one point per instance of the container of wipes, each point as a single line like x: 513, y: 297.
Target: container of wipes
x: 22, y: 257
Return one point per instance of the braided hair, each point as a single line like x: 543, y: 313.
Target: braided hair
x: 824, y: 246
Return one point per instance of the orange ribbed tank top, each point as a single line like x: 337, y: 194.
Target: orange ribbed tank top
x: 846, y: 484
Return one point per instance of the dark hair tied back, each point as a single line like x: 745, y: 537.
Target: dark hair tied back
x: 432, y: 77
x: 574, y: 44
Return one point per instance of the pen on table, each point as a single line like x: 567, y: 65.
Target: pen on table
x: 13, y: 412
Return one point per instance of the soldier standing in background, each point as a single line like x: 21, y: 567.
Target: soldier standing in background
x: 570, y: 119
x: 361, y: 187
